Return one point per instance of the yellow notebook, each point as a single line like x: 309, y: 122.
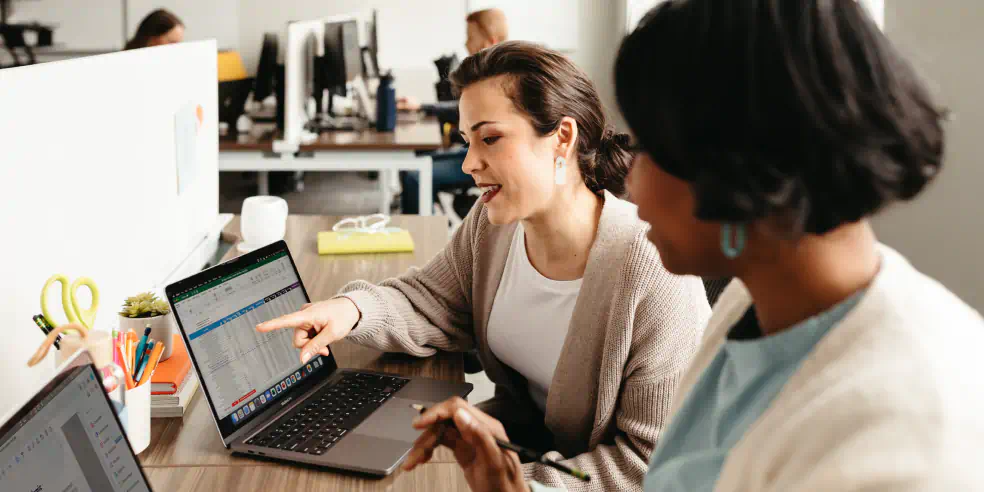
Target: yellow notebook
x: 343, y: 243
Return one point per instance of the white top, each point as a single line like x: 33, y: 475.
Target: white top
x: 891, y: 399
x: 530, y: 318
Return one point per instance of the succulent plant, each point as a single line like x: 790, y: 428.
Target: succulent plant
x: 144, y: 305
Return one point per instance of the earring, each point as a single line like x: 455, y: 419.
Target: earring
x: 560, y: 171
x: 732, y: 250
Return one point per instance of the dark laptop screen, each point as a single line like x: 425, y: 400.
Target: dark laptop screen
x: 245, y: 372
x: 68, y: 439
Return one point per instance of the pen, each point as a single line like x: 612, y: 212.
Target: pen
x: 152, y: 361
x: 139, y: 354
x: 116, y: 341
x: 42, y: 323
x: 148, y: 349
x: 524, y: 453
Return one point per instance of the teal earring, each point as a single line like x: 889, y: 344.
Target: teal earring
x: 729, y: 248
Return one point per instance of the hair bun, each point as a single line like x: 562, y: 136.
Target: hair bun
x: 614, y: 160
x: 614, y: 141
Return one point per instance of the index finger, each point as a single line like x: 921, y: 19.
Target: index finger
x: 300, y: 319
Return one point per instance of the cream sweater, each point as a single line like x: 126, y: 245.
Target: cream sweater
x: 634, y: 330
x: 891, y: 399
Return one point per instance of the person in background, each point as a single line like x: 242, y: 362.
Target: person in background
x: 770, y: 131
x: 159, y: 27
x: 583, y: 332
x: 485, y: 28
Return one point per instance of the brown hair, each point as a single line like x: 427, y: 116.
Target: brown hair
x: 157, y: 23
x: 546, y: 86
x: 492, y: 23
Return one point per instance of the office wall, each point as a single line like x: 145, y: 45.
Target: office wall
x: 941, y: 231
x: 413, y: 33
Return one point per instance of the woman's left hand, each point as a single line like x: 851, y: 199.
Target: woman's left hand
x: 472, y: 438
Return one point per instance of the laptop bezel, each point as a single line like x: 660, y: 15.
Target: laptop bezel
x: 228, y: 431
x: 79, y: 362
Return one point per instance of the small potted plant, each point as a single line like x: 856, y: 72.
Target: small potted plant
x: 143, y: 310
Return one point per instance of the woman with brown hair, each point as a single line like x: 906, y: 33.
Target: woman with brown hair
x: 158, y: 28
x: 770, y: 131
x: 551, y: 277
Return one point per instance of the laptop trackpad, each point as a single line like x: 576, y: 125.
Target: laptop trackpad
x: 391, y: 421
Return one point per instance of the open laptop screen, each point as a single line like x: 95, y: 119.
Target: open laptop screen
x: 68, y: 439
x: 244, y: 371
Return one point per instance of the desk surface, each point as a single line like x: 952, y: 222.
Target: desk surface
x: 421, y: 135
x: 187, y: 454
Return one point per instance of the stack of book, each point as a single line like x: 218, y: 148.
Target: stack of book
x: 174, y: 384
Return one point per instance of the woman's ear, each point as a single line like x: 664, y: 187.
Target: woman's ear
x: 567, y: 138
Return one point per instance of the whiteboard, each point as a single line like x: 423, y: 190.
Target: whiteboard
x: 90, y: 183
x: 552, y: 23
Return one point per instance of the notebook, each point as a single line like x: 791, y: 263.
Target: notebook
x: 175, y: 405
x: 391, y: 240
x: 172, y: 372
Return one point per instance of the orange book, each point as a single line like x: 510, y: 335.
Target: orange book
x: 172, y: 372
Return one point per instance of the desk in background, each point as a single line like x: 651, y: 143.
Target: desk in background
x: 365, y: 150
x: 187, y: 454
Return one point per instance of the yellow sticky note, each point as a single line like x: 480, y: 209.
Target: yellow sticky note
x: 342, y: 243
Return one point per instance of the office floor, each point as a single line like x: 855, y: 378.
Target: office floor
x: 335, y: 193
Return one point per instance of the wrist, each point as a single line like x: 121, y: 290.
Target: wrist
x: 355, y: 314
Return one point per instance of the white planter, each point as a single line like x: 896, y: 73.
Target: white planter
x: 162, y: 329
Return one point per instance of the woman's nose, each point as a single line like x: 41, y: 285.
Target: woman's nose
x: 472, y: 163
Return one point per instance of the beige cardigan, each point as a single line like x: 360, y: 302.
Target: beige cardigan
x: 891, y: 399
x: 632, y: 334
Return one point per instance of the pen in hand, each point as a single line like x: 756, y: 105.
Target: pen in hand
x: 524, y: 453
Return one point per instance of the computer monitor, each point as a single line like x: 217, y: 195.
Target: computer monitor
x: 266, y: 71
x: 232, y: 100
x: 343, y: 56
x: 68, y: 438
x: 372, y: 47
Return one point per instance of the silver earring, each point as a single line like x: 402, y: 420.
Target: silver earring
x: 560, y: 171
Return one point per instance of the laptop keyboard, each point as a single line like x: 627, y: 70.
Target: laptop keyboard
x: 328, y: 415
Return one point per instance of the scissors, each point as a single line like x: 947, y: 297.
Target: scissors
x: 70, y: 303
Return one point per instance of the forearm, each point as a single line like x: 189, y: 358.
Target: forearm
x: 397, y: 317
x: 611, y: 467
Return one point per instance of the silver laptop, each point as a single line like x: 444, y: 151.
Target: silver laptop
x: 264, y: 401
x: 68, y: 438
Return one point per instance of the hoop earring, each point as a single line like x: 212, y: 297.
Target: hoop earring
x: 732, y: 250
x: 560, y: 171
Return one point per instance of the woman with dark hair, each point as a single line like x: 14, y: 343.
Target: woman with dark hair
x: 550, y: 277
x: 769, y: 131
x: 159, y: 27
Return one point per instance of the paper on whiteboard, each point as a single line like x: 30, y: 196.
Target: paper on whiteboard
x: 187, y: 122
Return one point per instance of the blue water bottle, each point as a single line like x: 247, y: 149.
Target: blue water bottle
x: 386, y: 104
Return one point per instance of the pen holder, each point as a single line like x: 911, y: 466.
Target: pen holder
x: 135, y: 416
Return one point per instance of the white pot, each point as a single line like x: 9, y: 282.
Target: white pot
x: 162, y: 329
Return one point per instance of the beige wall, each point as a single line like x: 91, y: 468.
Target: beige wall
x: 941, y: 231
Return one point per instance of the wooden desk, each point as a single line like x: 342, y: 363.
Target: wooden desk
x: 422, y: 135
x: 366, y: 150
x: 432, y: 477
x: 187, y: 454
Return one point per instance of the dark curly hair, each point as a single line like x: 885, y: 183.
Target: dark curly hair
x: 797, y: 110
x: 546, y: 86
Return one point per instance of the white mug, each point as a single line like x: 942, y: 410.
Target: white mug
x: 264, y: 220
